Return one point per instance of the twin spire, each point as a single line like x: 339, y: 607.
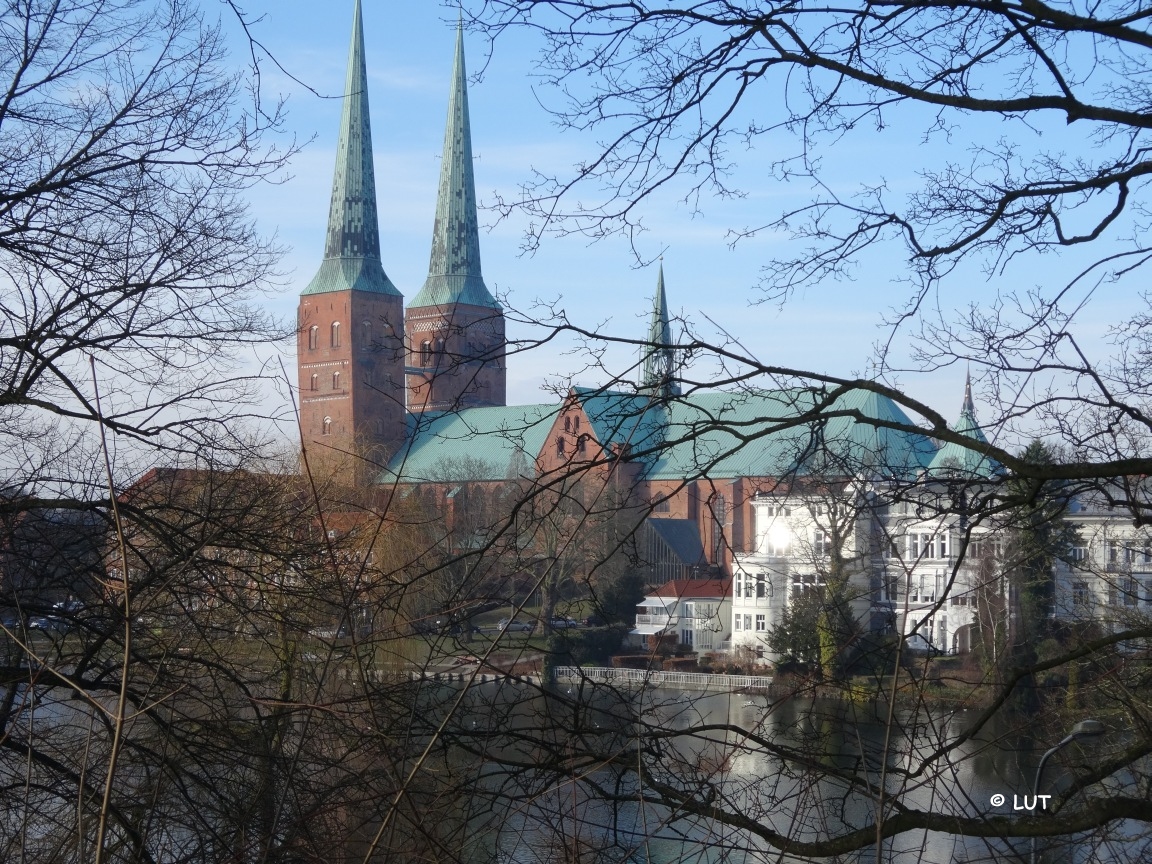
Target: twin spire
x: 454, y: 267
x: 352, y: 250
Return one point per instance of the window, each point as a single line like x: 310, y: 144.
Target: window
x: 439, y: 348
x: 1113, y: 552
x: 661, y: 505
x: 366, y: 342
x: 581, y: 443
x: 335, y: 334
x: 762, y: 585
x: 742, y: 585
x: 560, y: 448
x: 802, y: 583
x: 893, y: 550
x: 924, y: 589
x: 327, y: 426
x: 335, y: 380
x: 426, y: 353
x: 313, y: 337
x: 739, y: 622
x: 576, y: 423
x: 760, y: 624
x: 1146, y: 553
x: 747, y: 622
x: 1079, y: 553
x: 567, y: 424
x: 821, y: 543
x: 315, y: 383
x: 1129, y: 590
x: 686, y: 637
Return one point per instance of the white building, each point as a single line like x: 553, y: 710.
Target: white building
x: 697, y: 612
x: 895, y: 545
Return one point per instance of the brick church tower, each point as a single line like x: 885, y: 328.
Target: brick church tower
x: 350, y: 353
x: 454, y: 326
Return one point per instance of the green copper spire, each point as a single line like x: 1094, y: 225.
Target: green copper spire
x: 659, y: 363
x: 953, y: 459
x: 352, y: 251
x: 454, y: 269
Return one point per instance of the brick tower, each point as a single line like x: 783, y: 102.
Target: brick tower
x: 454, y: 326
x: 350, y: 353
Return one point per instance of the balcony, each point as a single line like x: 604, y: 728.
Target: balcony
x: 660, y: 620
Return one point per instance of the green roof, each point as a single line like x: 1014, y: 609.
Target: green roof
x: 454, y: 267
x: 954, y: 459
x: 497, y: 443
x: 719, y: 434
x: 352, y: 249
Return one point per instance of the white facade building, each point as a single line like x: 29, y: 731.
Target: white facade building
x: 697, y: 612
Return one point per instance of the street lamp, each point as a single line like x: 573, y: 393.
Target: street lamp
x: 1083, y: 729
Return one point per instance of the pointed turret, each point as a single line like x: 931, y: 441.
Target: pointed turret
x: 455, y: 327
x: 454, y: 268
x: 967, y: 461
x: 350, y: 345
x: 352, y: 250
x: 659, y: 362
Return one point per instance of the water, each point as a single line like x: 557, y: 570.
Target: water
x: 666, y: 777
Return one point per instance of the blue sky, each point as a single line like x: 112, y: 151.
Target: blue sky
x: 409, y: 47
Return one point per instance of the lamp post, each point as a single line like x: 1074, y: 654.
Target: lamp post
x: 1083, y: 729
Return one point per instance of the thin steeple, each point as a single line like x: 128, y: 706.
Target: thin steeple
x: 454, y: 268
x: 659, y: 363
x: 352, y: 249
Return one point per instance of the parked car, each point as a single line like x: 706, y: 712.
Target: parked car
x: 507, y: 624
x: 562, y: 623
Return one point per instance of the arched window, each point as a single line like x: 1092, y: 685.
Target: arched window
x: 315, y: 385
x: 439, y: 346
x: 581, y: 443
x: 366, y: 344
x: 327, y: 426
x: 335, y: 334
x: 313, y: 337
x: 559, y: 446
x: 425, y: 353
x: 567, y: 424
x: 576, y: 423
x: 335, y: 380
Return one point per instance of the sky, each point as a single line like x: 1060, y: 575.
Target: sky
x: 409, y: 46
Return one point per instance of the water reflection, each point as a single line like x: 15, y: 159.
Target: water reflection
x: 801, y: 768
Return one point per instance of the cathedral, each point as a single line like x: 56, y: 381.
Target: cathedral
x: 413, y: 398
x: 395, y: 394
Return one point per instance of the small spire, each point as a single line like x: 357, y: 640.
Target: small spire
x: 659, y: 363
x: 454, y: 267
x: 969, y: 407
x: 352, y: 249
